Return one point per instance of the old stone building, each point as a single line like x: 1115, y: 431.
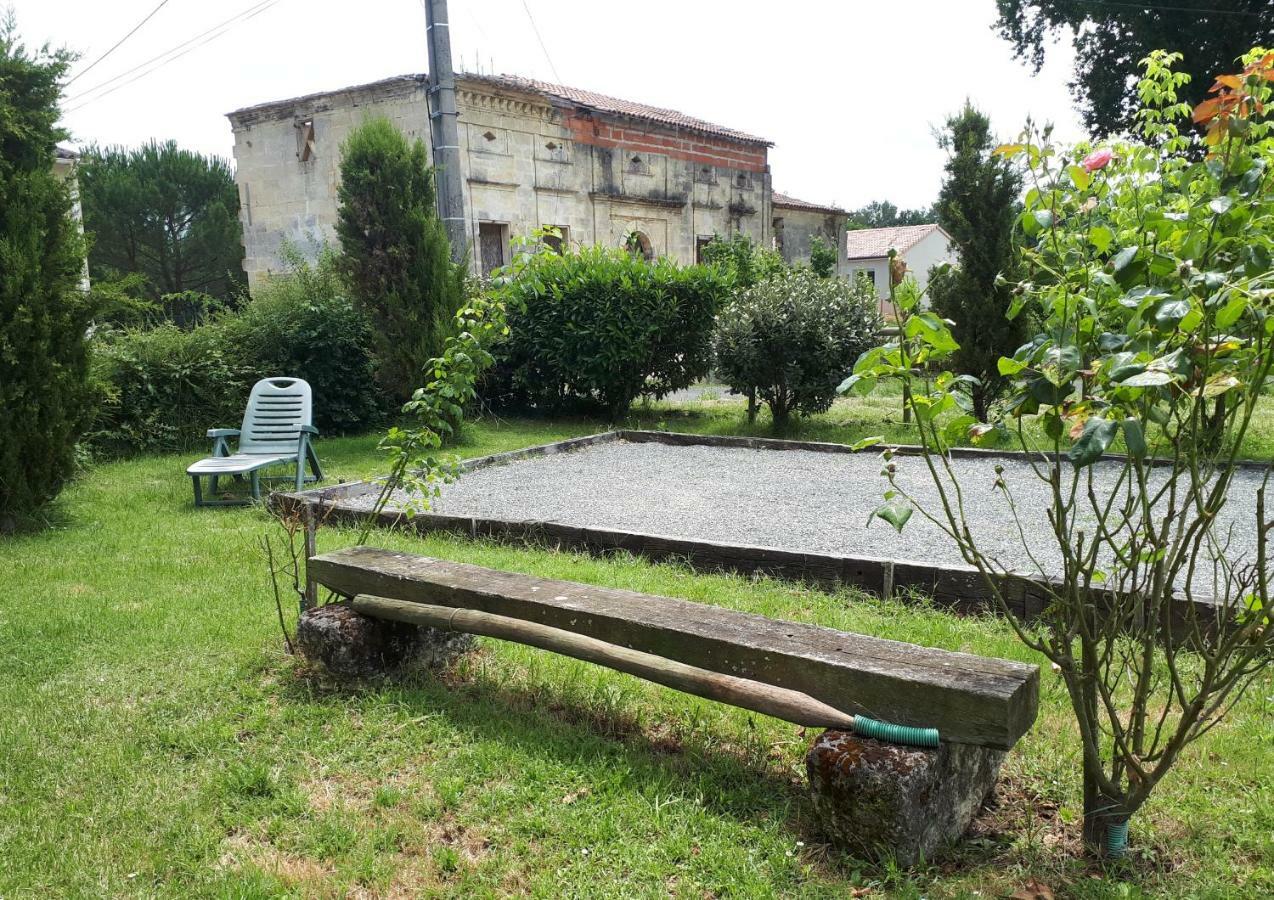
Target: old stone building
x: 796, y: 223
x: 600, y: 169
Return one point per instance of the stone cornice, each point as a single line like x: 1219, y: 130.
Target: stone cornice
x: 502, y: 103
x: 637, y: 199
x: 310, y: 104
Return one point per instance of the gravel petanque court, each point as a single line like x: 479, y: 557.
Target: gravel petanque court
x: 799, y: 500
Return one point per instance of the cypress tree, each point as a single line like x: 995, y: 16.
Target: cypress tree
x: 44, y: 394
x: 978, y: 206
x: 395, y: 252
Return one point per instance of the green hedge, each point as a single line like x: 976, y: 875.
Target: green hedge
x: 162, y: 388
x: 600, y: 327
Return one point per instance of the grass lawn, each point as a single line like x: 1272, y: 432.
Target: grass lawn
x: 155, y: 740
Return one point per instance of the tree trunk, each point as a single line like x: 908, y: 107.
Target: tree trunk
x: 1100, y: 813
x: 981, y: 404
x: 752, y: 406
x: 779, y: 413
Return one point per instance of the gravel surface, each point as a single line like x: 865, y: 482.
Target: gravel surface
x: 790, y: 499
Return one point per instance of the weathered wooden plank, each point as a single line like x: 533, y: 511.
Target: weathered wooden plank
x: 970, y: 699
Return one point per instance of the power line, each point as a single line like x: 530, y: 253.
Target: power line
x: 531, y: 18
x: 170, y: 55
x: 150, y: 15
x: 260, y: 6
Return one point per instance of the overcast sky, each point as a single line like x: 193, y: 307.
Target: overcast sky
x: 849, y: 91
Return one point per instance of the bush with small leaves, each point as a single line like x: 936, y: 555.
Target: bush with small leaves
x: 791, y: 337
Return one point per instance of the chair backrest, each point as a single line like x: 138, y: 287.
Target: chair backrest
x: 277, y: 408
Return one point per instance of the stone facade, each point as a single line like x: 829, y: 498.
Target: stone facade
x: 602, y: 170
x: 797, y: 223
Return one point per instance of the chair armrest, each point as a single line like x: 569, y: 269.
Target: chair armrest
x: 223, y: 432
x: 309, y: 429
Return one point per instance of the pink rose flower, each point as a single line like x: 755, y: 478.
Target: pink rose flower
x: 1098, y: 159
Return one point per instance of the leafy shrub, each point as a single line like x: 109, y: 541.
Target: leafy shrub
x: 744, y: 261
x: 44, y: 395
x: 305, y: 324
x: 791, y: 337
x: 162, y: 388
x: 823, y: 257
x: 124, y: 302
x: 1146, y: 271
x: 601, y: 327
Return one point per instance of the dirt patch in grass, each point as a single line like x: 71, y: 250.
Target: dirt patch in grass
x: 243, y: 850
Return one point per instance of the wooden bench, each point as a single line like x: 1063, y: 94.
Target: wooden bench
x: 969, y: 699
x: 979, y: 706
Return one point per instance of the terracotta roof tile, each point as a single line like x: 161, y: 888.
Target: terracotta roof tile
x: 793, y: 203
x: 874, y: 243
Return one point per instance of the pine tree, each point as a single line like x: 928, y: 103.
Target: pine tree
x: 167, y: 214
x: 978, y: 206
x: 44, y: 393
x: 395, y: 252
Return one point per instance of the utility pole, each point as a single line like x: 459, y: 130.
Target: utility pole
x: 444, y: 135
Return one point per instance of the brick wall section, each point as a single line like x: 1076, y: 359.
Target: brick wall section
x: 693, y: 147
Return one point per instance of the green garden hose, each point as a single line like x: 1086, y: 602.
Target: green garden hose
x: 896, y: 734
x: 1117, y: 839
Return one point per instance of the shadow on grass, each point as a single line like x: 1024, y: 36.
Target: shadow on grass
x: 740, y: 781
x: 747, y: 782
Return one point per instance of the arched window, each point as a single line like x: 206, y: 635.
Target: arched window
x: 638, y: 244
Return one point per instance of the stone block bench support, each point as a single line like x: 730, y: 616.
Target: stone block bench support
x: 872, y: 797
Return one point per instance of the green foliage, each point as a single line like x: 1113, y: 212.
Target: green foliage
x: 163, y: 387
x: 791, y: 338
x: 600, y: 327
x: 1148, y: 269
x: 1111, y: 38
x: 978, y: 207
x: 305, y: 324
x: 123, y: 302
x: 395, y: 253
x: 823, y: 258
x: 435, y: 411
x: 44, y: 393
x: 883, y: 214
x: 744, y: 261
x: 168, y: 215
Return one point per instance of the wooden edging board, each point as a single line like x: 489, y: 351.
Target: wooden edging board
x: 969, y: 699
x: 961, y: 588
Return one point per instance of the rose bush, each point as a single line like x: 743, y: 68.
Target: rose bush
x: 1148, y: 270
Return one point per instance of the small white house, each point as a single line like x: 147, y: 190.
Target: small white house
x: 921, y: 246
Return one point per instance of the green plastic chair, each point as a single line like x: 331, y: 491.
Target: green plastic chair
x: 276, y: 429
